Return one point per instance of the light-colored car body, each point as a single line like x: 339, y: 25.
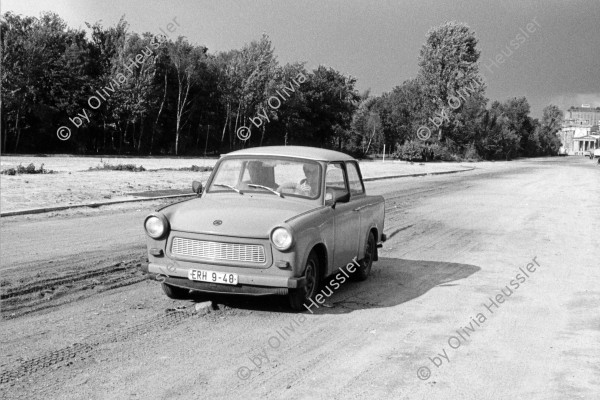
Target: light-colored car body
x: 231, y: 233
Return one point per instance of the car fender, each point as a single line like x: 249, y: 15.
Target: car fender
x: 306, y: 252
x: 376, y: 218
x: 361, y: 250
x: 312, y: 230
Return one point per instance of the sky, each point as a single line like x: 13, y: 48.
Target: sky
x: 378, y: 41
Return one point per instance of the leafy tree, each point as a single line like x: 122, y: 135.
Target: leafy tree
x: 43, y: 72
x: 502, y: 128
x: 182, y: 99
x: 287, y: 121
x: 245, y: 77
x: 105, y: 61
x: 552, y: 118
x: 546, y: 133
x: 330, y: 102
x: 132, y: 100
x: 403, y: 112
x: 449, y: 72
x: 468, y: 122
x: 258, y: 70
x: 366, y: 129
x: 187, y: 62
x: 229, y: 86
x: 17, y: 89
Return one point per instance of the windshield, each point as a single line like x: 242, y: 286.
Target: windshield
x: 268, y: 175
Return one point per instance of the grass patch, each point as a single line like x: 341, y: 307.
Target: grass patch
x: 119, y: 167
x: 131, y: 167
x: 193, y: 168
x: 30, y: 169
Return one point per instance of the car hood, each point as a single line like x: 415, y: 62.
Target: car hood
x: 242, y: 216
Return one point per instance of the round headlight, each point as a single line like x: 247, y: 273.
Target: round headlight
x: 281, y: 238
x: 155, y: 227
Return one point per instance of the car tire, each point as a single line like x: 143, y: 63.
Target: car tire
x: 306, y: 294
x: 174, y: 292
x: 362, y: 272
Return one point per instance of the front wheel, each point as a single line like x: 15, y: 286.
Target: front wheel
x: 362, y: 272
x: 305, y: 295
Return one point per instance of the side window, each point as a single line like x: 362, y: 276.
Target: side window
x: 356, y: 186
x: 335, y: 179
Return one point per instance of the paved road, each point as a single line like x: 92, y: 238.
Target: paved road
x: 487, y: 288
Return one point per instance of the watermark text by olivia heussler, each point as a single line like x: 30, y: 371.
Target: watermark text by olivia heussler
x: 262, y: 358
x: 488, y: 309
x: 243, y: 132
x: 102, y: 94
x: 460, y: 96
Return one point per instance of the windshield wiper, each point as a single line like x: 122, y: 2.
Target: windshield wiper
x: 229, y: 186
x: 266, y: 188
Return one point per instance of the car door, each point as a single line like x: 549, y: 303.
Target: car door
x: 361, y: 203
x: 346, y: 220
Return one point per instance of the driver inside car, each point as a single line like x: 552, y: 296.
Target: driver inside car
x: 308, y: 186
x: 260, y: 174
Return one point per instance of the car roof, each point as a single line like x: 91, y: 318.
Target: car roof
x: 310, y: 153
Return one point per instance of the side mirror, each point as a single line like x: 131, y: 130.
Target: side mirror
x: 332, y: 198
x: 197, y: 187
x: 343, y: 198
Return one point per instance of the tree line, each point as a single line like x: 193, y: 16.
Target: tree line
x: 120, y: 92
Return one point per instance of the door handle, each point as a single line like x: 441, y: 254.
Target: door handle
x: 361, y: 207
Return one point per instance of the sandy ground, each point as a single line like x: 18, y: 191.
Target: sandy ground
x: 413, y: 330
x: 75, y: 184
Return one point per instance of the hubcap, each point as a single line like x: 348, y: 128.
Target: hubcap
x: 310, y: 278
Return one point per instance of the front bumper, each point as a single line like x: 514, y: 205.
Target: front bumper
x: 250, y: 282
x: 206, y: 287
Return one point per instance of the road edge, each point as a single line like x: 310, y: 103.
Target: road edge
x: 174, y: 196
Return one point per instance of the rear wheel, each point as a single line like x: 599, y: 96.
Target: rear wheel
x: 304, y: 295
x: 362, y: 272
x: 174, y: 292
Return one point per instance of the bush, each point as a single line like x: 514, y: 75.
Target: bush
x: 416, y: 150
x: 9, y: 171
x: 411, y: 151
x: 196, y: 168
x: 30, y: 169
x: 471, y: 153
x: 129, y: 167
x: 441, y: 152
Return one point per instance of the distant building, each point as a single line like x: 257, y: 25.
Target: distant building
x: 584, y: 115
x: 580, y: 131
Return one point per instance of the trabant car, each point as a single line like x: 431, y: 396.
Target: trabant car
x: 274, y: 220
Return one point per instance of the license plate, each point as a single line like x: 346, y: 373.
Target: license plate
x: 212, y: 276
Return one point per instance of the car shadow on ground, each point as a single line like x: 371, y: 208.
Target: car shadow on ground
x: 392, y: 282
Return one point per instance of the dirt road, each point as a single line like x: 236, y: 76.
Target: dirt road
x: 488, y: 287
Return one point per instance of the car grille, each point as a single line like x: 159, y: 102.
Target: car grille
x: 251, y: 253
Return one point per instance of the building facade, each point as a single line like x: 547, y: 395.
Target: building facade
x: 580, y: 132
x: 584, y: 115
